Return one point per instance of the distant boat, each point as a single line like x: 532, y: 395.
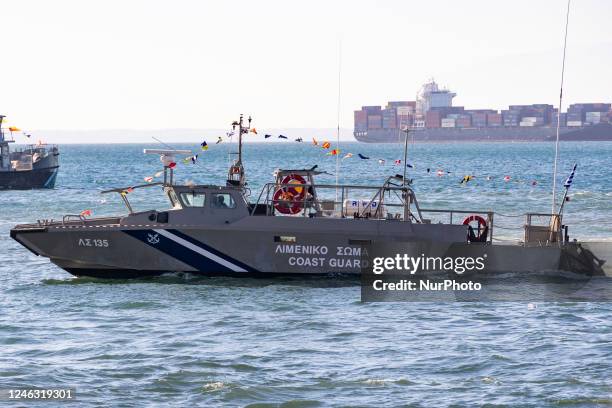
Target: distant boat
x: 34, y: 166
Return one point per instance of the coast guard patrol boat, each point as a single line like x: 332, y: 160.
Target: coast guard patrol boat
x: 295, y: 227
x: 34, y: 166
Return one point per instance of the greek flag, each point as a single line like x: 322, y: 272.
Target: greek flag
x: 570, y: 179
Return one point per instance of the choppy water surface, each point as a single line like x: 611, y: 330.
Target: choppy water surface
x: 179, y: 341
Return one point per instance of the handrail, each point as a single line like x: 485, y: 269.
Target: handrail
x: 121, y: 189
x: 66, y: 218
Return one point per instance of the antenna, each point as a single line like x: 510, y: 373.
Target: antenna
x: 338, y: 118
x: 554, y: 189
x: 406, y: 129
x: 235, y: 175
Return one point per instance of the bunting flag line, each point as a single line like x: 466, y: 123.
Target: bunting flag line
x: 253, y: 130
x: 411, y: 166
x: 507, y: 178
x: 314, y: 142
x: 334, y: 152
x: 204, y: 145
x: 348, y: 156
x: 398, y: 161
x: 14, y: 129
x: 299, y: 140
x: 219, y: 140
x: 148, y: 179
x: 361, y: 156
x: 159, y: 173
x: 172, y: 165
x: 326, y: 145
x: 267, y: 136
x: 440, y: 172
x: 381, y: 161
x: 282, y: 136
x: 86, y: 213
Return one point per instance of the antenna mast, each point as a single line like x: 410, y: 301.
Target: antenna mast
x: 235, y: 176
x: 338, y: 119
x: 554, y: 190
x: 1, y: 132
x: 407, y: 130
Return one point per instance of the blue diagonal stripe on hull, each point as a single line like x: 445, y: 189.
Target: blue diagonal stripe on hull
x: 180, y: 252
x: 211, y: 249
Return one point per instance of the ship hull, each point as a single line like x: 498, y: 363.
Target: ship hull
x: 600, y: 132
x: 124, y: 253
x: 43, y: 175
x: 30, y: 179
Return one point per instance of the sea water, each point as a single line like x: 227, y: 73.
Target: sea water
x: 183, y: 340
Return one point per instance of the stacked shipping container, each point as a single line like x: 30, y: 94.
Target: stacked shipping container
x: 398, y: 114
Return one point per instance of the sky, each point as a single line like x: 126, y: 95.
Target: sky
x: 189, y: 64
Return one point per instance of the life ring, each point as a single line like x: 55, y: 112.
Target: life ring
x: 289, y: 197
x: 483, y: 228
x: 286, y: 202
x: 296, y: 188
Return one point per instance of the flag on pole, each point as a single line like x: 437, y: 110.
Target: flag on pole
x: 570, y: 179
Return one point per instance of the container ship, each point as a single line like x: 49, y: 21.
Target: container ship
x: 432, y: 117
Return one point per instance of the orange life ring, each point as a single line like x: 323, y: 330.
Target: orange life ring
x: 296, y: 188
x: 289, y: 197
x: 483, y: 229
x: 286, y: 202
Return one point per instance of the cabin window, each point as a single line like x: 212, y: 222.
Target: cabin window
x: 193, y: 199
x: 223, y: 200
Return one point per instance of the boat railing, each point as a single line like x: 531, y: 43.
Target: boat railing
x: 79, y: 219
x: 432, y: 216
x: 329, y: 200
x: 544, y: 228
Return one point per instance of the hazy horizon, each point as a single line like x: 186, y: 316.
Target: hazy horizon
x: 158, y: 65
x: 100, y: 136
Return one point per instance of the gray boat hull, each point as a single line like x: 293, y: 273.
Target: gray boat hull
x: 285, y: 246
